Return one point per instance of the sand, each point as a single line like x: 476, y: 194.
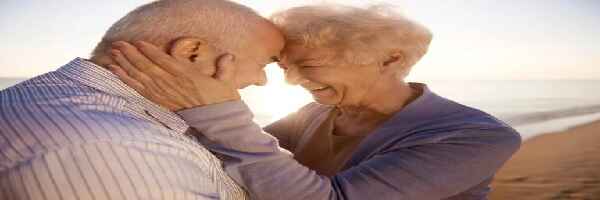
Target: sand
x: 564, y: 165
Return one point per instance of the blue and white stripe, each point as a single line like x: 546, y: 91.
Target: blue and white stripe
x: 80, y: 133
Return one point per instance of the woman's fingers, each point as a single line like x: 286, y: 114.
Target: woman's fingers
x: 149, y: 90
x: 188, y: 89
x: 137, y: 59
x: 226, y: 68
x: 132, y: 71
x: 122, y: 74
x: 164, y: 61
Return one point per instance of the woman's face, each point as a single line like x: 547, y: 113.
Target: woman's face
x: 330, y: 81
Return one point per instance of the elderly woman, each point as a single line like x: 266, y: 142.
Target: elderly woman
x: 369, y: 135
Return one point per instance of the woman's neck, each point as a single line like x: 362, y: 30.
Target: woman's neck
x: 381, y: 105
x: 384, y: 99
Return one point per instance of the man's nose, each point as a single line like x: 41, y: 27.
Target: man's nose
x: 293, y: 76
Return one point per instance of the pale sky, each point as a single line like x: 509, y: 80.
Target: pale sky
x: 499, y: 40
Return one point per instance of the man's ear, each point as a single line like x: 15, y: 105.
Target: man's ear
x: 193, y: 49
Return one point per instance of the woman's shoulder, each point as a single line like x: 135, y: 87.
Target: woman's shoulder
x: 435, y: 119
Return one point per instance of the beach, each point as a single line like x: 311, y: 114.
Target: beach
x: 560, y: 165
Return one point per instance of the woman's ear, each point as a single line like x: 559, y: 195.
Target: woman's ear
x: 394, y: 62
x: 194, y: 50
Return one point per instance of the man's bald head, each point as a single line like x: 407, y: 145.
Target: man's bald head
x: 224, y: 24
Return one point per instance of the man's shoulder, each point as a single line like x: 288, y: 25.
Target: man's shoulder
x: 44, y: 88
x: 49, y: 111
x: 68, y: 117
x: 32, y: 129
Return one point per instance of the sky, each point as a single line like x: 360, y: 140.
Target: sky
x: 473, y: 40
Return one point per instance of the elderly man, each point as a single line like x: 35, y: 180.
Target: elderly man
x: 80, y: 133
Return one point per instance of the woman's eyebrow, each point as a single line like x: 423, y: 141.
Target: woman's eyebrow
x: 309, y: 60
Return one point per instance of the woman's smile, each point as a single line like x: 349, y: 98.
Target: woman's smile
x: 322, y: 92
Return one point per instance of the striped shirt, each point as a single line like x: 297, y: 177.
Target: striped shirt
x: 80, y: 133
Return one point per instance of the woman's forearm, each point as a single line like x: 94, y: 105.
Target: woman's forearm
x: 254, y: 158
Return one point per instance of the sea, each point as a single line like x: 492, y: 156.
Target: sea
x: 531, y: 107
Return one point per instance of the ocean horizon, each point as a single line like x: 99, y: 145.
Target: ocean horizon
x: 532, y: 107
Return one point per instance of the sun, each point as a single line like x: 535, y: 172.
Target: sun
x: 275, y: 100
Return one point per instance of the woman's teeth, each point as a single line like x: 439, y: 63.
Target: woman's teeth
x: 320, y: 88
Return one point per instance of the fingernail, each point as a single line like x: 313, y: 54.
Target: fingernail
x: 111, y: 67
x: 230, y: 57
x: 118, y: 43
x: 139, y: 43
x: 115, y: 52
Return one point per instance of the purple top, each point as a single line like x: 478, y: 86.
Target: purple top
x: 433, y: 148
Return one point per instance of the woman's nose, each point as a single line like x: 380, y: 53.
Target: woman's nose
x: 293, y: 76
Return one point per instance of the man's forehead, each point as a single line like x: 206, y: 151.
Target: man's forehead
x: 268, y: 41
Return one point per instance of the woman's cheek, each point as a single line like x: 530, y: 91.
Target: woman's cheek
x: 316, y: 75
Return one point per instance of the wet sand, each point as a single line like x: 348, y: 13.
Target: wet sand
x: 563, y: 165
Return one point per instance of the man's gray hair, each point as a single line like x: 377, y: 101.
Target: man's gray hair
x: 223, y: 23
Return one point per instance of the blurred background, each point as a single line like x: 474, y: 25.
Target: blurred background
x: 534, y: 64
x: 527, y: 62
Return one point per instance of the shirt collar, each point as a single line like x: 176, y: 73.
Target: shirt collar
x: 99, y: 78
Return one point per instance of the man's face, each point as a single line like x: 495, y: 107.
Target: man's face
x: 263, y: 49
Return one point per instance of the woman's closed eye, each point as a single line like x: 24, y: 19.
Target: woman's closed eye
x: 310, y: 66
x: 313, y: 64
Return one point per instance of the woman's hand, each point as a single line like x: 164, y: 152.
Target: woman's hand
x: 175, y: 84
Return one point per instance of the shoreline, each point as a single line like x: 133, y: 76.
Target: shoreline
x: 555, y: 125
x: 555, y: 165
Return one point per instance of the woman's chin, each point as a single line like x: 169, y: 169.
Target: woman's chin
x: 325, y: 100
x: 323, y: 95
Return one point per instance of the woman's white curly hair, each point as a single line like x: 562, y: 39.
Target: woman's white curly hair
x: 357, y: 35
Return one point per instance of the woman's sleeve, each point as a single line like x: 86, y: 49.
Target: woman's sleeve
x: 290, y: 129
x: 287, y: 129
x: 437, y: 170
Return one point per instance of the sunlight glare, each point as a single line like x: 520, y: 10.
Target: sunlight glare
x: 277, y: 99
